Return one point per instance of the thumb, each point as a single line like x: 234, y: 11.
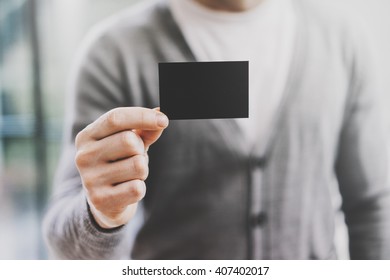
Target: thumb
x: 151, y: 136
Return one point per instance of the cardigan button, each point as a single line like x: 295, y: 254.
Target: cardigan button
x: 259, y: 220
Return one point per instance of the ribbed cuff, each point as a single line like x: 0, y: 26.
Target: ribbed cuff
x: 96, y: 238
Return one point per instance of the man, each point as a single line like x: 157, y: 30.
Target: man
x: 224, y: 189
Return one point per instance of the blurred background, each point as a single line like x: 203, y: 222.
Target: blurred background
x: 38, y: 39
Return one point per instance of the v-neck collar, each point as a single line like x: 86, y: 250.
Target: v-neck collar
x: 296, y: 65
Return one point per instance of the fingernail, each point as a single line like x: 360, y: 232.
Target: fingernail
x: 162, y: 120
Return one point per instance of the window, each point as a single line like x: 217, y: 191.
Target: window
x: 38, y: 39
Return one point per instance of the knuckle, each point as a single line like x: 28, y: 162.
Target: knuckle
x: 77, y: 140
x: 127, y: 138
x: 88, y: 181
x: 137, y: 190
x: 130, y: 140
x: 83, y: 157
x: 83, y: 135
x: 112, y: 118
x: 143, y: 118
x: 140, y: 167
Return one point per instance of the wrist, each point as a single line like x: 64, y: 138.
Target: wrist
x: 106, y: 222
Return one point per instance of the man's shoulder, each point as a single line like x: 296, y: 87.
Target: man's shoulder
x: 330, y: 16
x: 139, y: 16
x: 141, y: 20
x: 338, y: 27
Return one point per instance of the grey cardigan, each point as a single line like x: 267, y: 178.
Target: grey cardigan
x: 208, y: 195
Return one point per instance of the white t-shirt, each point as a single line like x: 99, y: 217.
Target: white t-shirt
x: 264, y: 36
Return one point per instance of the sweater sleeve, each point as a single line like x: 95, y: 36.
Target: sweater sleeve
x: 69, y: 228
x: 363, y: 160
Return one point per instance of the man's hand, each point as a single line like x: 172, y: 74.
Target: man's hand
x: 113, y: 162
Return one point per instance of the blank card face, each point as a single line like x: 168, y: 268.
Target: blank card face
x: 204, y: 90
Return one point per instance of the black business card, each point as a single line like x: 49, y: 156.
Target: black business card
x: 204, y: 90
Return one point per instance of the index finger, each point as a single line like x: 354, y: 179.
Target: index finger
x: 127, y: 118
